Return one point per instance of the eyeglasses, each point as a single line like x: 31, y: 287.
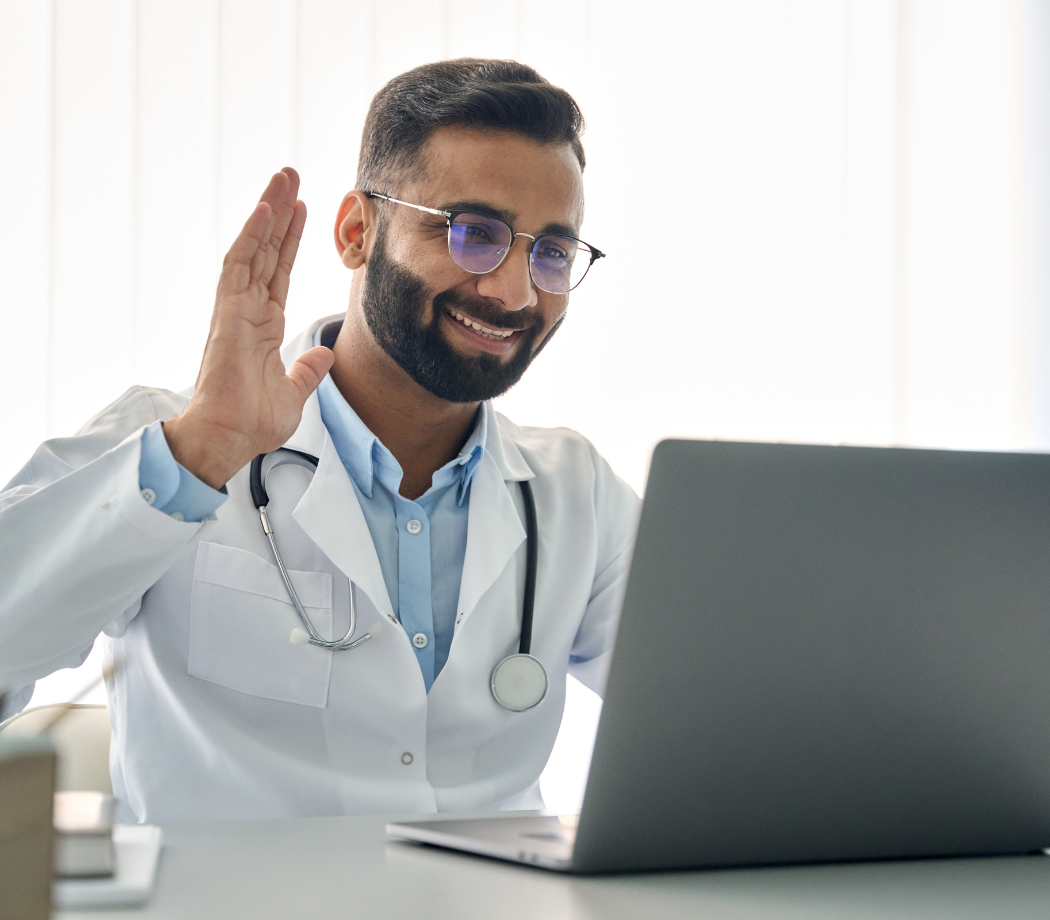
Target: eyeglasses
x: 478, y: 243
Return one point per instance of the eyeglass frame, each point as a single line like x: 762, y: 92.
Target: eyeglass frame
x: 450, y: 216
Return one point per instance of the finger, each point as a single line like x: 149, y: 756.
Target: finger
x: 236, y: 266
x: 272, y: 196
x: 276, y: 189
x: 286, y: 194
x: 261, y: 256
x: 293, y: 179
x: 290, y: 246
x: 310, y: 369
x: 286, y: 213
x: 284, y: 207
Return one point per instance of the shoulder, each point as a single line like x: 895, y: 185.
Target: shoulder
x: 131, y: 412
x: 135, y: 408
x: 567, y: 456
x: 550, y: 450
x: 579, y: 484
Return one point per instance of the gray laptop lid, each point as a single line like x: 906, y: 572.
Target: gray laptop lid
x: 827, y: 653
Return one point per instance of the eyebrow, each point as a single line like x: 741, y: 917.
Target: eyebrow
x: 508, y: 217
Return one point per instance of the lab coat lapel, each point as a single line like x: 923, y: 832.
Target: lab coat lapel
x: 329, y: 511
x: 494, y: 527
x: 331, y: 515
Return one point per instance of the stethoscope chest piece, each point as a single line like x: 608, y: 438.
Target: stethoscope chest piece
x: 519, y: 682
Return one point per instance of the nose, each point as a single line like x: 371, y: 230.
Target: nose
x: 510, y: 282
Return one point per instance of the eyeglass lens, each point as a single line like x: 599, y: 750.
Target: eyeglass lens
x: 478, y: 243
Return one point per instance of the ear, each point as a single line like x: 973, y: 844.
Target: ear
x: 355, y: 226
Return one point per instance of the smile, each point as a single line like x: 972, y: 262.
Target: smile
x: 497, y: 335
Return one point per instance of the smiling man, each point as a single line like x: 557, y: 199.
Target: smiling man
x: 333, y: 578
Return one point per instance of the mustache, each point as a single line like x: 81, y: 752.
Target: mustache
x: 486, y: 312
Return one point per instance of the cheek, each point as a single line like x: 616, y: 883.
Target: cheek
x: 552, y: 307
x: 429, y: 260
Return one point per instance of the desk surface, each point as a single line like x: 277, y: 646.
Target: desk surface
x: 346, y: 867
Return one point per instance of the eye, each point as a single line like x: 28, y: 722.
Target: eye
x: 478, y: 233
x: 555, y: 249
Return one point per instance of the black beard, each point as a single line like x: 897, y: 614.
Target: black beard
x: 395, y: 302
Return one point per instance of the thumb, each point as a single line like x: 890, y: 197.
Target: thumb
x: 310, y: 369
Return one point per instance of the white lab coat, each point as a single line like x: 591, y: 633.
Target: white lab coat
x: 215, y: 713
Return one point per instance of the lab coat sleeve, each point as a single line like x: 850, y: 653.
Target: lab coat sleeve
x: 616, y: 516
x: 79, y: 545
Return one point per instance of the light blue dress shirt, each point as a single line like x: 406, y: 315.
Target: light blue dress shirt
x: 168, y: 485
x: 421, y: 544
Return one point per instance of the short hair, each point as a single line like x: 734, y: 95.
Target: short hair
x: 487, y: 95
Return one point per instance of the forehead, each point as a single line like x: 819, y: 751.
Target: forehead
x: 534, y: 184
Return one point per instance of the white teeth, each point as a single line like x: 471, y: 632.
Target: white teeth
x: 497, y: 334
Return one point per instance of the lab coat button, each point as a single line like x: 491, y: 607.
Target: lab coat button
x: 419, y: 640
x: 149, y: 495
x: 176, y: 516
x: 407, y: 758
x: 413, y: 527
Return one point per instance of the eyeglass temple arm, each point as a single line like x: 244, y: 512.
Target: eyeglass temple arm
x: 446, y: 214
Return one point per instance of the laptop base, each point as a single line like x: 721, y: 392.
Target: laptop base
x: 535, y: 840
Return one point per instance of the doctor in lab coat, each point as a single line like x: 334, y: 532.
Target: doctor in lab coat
x: 215, y: 713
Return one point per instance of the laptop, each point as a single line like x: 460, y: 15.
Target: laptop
x: 825, y: 653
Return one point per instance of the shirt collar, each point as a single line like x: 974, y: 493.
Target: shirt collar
x: 472, y: 452
x: 366, y: 458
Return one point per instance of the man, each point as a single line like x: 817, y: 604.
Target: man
x: 143, y: 525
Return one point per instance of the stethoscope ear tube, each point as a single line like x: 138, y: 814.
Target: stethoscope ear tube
x: 255, y: 482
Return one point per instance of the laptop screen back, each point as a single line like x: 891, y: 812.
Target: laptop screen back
x: 828, y: 653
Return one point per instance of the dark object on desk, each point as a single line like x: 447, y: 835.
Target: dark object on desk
x: 27, y: 787
x: 825, y: 653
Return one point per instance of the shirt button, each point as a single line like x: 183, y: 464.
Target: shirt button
x: 176, y: 516
x: 407, y: 758
x: 149, y: 496
x: 413, y: 527
x: 419, y: 640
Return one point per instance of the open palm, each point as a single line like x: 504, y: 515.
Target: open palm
x: 244, y: 402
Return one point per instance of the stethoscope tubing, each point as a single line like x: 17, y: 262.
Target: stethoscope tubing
x: 261, y: 499
x: 531, y: 559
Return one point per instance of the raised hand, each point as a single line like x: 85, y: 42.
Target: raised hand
x: 244, y: 403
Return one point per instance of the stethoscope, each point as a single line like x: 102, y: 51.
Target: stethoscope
x: 519, y: 681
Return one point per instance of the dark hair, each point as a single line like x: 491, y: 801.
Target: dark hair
x: 471, y: 92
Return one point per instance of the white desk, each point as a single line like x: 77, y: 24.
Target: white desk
x: 346, y: 868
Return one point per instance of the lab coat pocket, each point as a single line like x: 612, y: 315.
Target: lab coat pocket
x: 240, y: 620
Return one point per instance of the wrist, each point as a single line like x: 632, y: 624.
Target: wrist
x: 201, y: 450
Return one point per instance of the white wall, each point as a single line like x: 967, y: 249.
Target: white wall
x: 826, y: 219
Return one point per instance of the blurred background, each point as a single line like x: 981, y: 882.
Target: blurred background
x: 826, y: 220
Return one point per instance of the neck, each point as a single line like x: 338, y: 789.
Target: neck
x: 420, y: 430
